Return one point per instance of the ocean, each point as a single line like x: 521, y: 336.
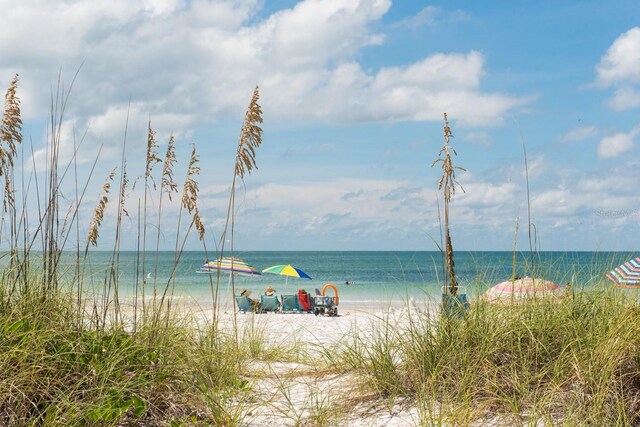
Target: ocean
x: 373, y: 276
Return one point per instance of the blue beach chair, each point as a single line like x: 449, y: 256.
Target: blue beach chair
x: 290, y: 303
x: 269, y: 303
x: 243, y: 303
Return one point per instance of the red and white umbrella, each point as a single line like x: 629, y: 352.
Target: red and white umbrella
x: 525, y: 288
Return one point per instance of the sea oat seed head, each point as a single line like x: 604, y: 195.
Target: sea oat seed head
x: 250, y: 137
x: 11, y: 126
x: 447, y: 181
x: 152, y: 155
x: 190, y: 193
x: 167, y: 172
x: 98, y: 215
x: 190, y: 189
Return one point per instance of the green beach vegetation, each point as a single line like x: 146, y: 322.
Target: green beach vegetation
x: 572, y: 362
x: 69, y: 356
x: 73, y: 356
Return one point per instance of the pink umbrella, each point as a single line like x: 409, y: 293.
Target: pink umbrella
x: 522, y: 289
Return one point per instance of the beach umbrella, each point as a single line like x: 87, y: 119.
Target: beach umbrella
x: 518, y: 290
x: 230, y: 265
x: 627, y: 275
x: 288, y: 271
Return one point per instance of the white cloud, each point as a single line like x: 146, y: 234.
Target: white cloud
x: 201, y: 59
x: 313, y: 211
x: 105, y: 133
x: 624, y: 99
x: 431, y: 16
x: 621, y: 63
x: 579, y: 133
x: 620, y: 68
x: 480, y: 138
x: 618, y: 144
x: 424, y: 17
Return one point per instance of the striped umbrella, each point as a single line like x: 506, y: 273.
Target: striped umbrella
x: 287, y: 270
x: 230, y: 265
x: 627, y: 275
x: 521, y: 289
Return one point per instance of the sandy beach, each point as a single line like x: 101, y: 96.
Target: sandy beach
x: 293, y: 392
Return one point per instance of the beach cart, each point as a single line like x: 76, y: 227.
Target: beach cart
x: 325, y: 304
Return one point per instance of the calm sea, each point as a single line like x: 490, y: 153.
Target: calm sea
x: 372, y: 276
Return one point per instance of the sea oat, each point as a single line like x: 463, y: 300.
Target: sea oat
x: 447, y: 183
x: 250, y: 137
x: 198, y: 223
x: 167, y: 173
x: 152, y: 154
x: 190, y: 189
x: 125, y: 182
x: 11, y: 127
x: 98, y: 215
x: 190, y: 193
x: 448, y: 179
x: 8, y: 200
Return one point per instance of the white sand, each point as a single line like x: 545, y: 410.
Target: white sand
x: 288, y: 394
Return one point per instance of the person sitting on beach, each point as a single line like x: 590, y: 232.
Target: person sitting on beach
x: 254, y: 303
x: 271, y: 292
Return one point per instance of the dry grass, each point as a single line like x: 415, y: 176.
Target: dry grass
x: 448, y: 184
x: 11, y: 127
x: 250, y: 137
x: 98, y: 213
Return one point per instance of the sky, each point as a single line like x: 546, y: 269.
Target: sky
x: 353, y: 95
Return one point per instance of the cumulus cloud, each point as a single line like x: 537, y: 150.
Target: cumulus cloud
x: 621, y: 63
x: 310, y: 212
x: 426, y: 16
x: 618, y: 144
x: 201, y: 59
x: 430, y: 16
x: 620, y: 68
x: 579, y: 133
x: 624, y: 99
x: 480, y: 138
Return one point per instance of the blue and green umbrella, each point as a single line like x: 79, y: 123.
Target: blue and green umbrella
x: 287, y: 271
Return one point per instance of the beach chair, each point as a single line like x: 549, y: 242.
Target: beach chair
x: 289, y: 303
x: 455, y: 305
x: 243, y: 303
x: 305, y: 302
x: 269, y: 303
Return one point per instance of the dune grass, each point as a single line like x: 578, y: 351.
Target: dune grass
x: 53, y: 372
x: 70, y: 353
x: 576, y: 362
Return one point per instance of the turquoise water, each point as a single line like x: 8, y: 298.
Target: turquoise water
x: 374, y: 276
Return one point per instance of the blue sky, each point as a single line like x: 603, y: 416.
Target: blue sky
x: 353, y: 94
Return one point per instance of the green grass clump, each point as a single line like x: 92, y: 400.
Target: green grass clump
x: 576, y: 361
x: 54, y: 373
x: 70, y: 354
